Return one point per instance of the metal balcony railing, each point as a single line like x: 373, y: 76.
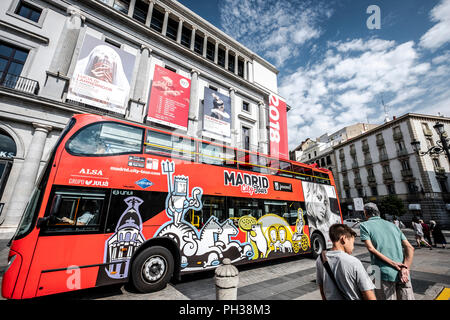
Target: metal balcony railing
x: 18, y: 83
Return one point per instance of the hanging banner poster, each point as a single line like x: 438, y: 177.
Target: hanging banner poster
x: 169, y: 99
x: 217, y: 115
x: 278, y: 135
x: 102, y: 76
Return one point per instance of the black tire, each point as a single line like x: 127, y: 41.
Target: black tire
x: 152, y: 269
x: 317, y: 245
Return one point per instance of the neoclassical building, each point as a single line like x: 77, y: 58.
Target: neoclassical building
x: 44, y: 44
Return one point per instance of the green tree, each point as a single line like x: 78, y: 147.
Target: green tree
x: 391, y: 205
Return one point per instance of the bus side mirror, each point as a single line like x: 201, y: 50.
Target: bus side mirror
x: 53, y: 210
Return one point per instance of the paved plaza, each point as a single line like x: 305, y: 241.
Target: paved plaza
x: 284, y: 279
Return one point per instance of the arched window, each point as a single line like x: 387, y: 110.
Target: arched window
x: 8, y: 150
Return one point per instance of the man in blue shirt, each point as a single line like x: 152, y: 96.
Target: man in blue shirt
x: 391, y: 252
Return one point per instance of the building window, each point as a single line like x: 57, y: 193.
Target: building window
x: 347, y: 193
x: 374, y: 190
x: 12, y: 60
x: 412, y: 188
x: 198, y: 44
x: 28, y: 11
x: 329, y: 160
x: 245, y: 106
x: 170, y: 68
x: 430, y: 142
x: 443, y: 185
x: 221, y: 57
x: 157, y: 20
x: 246, y: 138
x: 391, y: 188
x: 122, y: 5
x: 172, y: 29
x: 140, y: 11
x: 400, y: 145
x: 231, y: 59
x: 436, y: 163
x: 240, y: 68
x: 396, y: 130
x: 405, y: 165
x: 386, y: 169
x: 370, y: 172
x: 186, y: 35
x: 210, y: 50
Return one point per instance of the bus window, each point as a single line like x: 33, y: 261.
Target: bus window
x: 77, y: 211
x: 217, y: 155
x: 169, y: 145
x: 106, y: 139
x: 245, y: 207
x: 212, y: 206
x: 302, y: 173
x: 245, y: 160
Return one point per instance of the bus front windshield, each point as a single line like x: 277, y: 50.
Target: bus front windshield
x: 28, y: 216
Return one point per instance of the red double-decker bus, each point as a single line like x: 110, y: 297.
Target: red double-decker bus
x: 119, y: 201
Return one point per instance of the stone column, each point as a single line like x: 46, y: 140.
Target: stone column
x: 216, y: 52
x: 138, y: 98
x: 180, y: 30
x: 27, y: 177
x: 193, y: 39
x: 234, y: 132
x: 205, y: 44
x: 226, y: 58
x: 193, y: 127
x: 131, y: 8
x: 57, y: 79
x: 262, y: 128
x: 150, y: 13
x: 245, y: 70
x: 166, y: 20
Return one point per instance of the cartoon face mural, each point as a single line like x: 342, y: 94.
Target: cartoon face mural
x: 271, y: 235
x: 120, y: 247
x: 204, y: 248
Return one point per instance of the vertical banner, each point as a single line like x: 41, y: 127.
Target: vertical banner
x: 102, y: 76
x: 217, y: 115
x: 169, y: 99
x: 278, y: 135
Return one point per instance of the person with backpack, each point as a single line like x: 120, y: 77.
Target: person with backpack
x: 341, y: 276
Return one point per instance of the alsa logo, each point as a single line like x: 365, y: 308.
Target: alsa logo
x: 92, y: 172
x: 249, y: 183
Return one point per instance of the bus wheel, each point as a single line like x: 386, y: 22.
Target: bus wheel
x: 152, y: 269
x: 317, y: 244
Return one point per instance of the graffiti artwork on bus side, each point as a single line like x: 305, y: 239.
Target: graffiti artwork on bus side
x: 204, y: 248
x: 271, y: 235
x: 128, y: 236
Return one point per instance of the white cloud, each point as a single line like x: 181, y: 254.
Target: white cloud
x: 347, y: 85
x: 276, y: 28
x: 439, y: 34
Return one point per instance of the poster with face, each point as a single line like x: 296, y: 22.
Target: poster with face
x: 217, y: 115
x: 102, y: 76
x: 322, y: 208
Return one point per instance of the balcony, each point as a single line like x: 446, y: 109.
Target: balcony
x: 346, y: 184
x: 397, y: 135
x: 371, y: 179
x: 406, y: 173
x: 380, y: 142
x: 402, y: 153
x: 440, y: 173
x: 22, y: 84
x: 367, y: 161
x: 353, y: 152
x: 355, y: 165
x: 343, y: 167
x: 358, y: 181
x: 387, y: 175
x: 384, y: 157
x: 365, y: 148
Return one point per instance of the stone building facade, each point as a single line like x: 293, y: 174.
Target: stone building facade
x: 382, y: 161
x: 41, y: 43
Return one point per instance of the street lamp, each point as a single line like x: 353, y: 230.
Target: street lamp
x: 440, y: 147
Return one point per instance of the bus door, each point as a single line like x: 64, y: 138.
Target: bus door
x: 70, y: 246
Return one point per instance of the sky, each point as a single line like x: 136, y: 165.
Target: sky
x: 335, y: 68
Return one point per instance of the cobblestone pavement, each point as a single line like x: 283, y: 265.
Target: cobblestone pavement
x: 284, y: 279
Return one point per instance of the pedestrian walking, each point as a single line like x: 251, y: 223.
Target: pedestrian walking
x: 426, y: 231
x: 396, y: 222
x: 341, y: 276
x: 437, y: 234
x: 418, y: 233
x: 391, y: 252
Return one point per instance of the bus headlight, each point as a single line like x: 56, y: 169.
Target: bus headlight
x: 10, y: 261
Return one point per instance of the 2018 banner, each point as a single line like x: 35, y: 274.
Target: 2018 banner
x: 278, y: 135
x: 102, y: 76
x: 169, y: 99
